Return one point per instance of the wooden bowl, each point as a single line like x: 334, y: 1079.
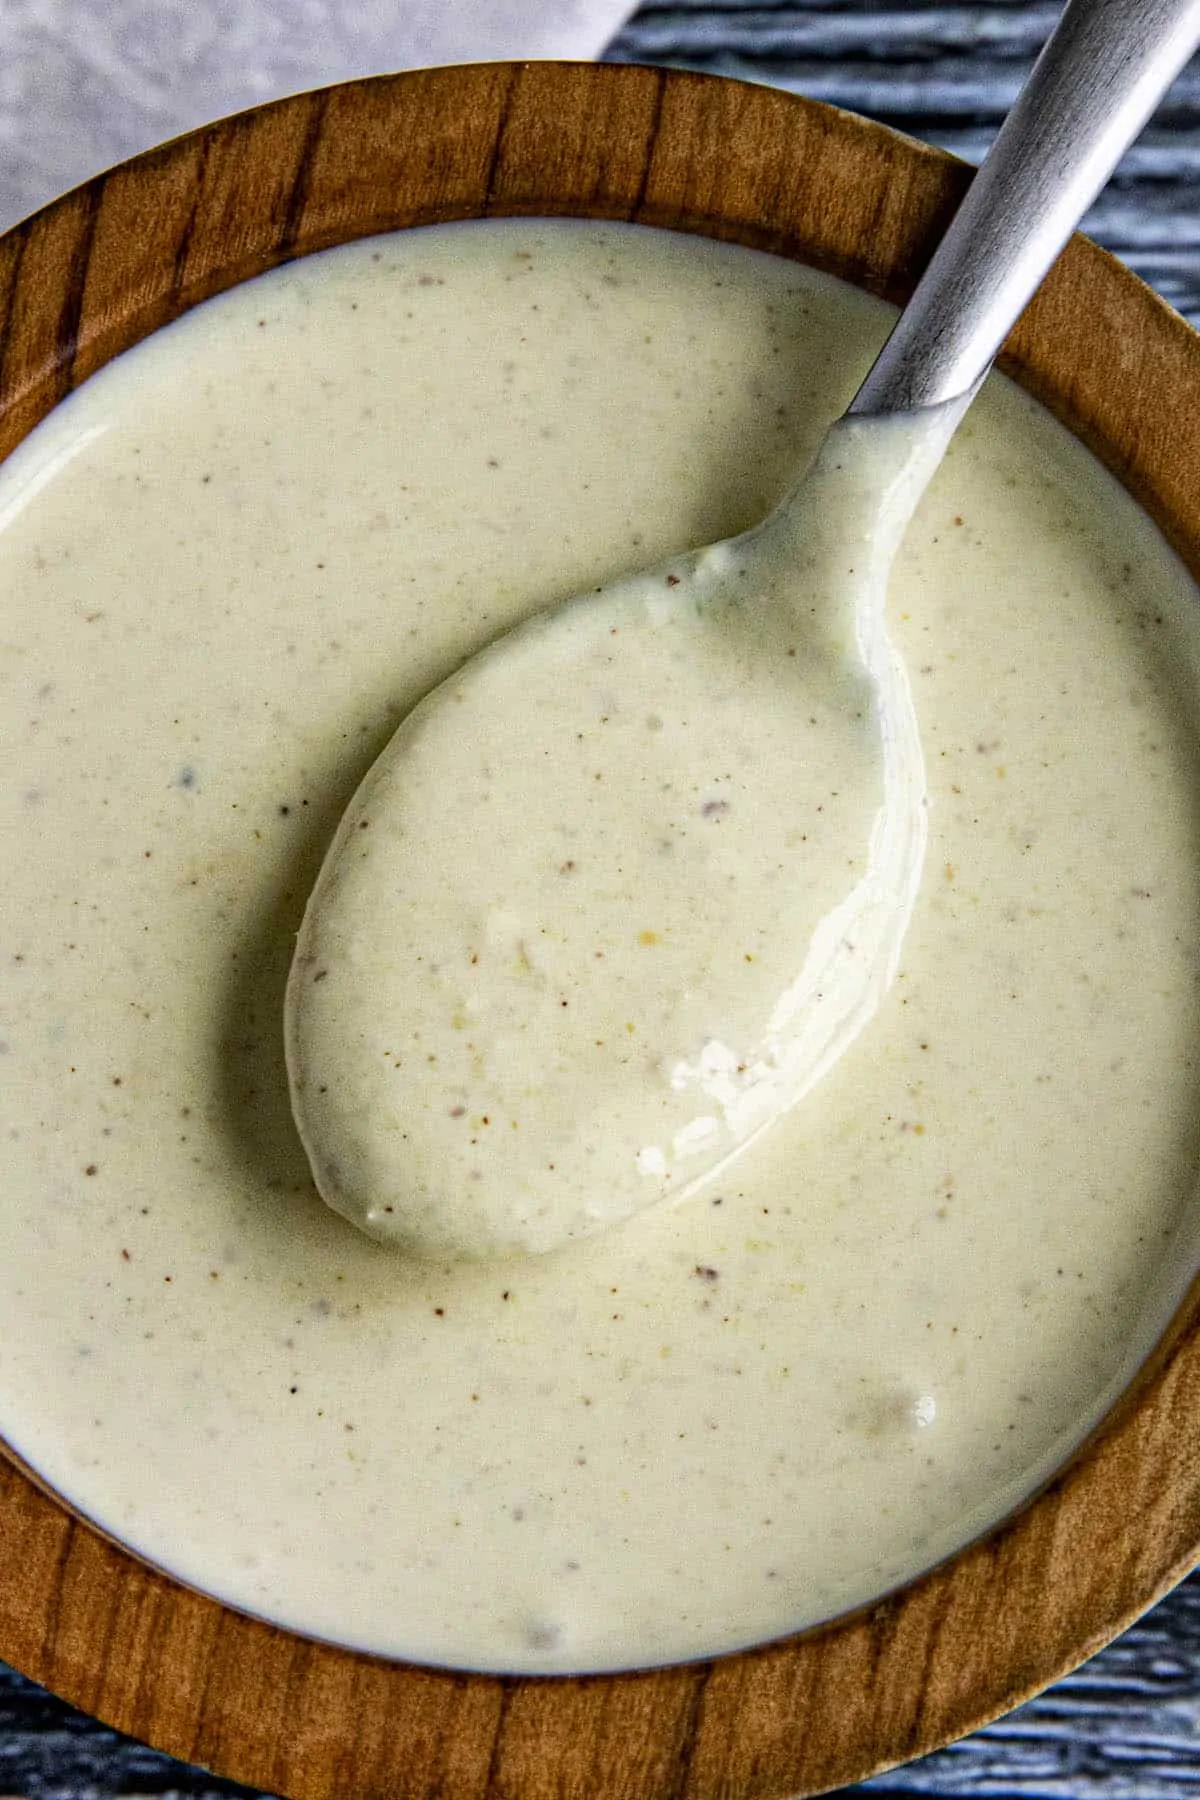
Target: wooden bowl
x: 96, y: 272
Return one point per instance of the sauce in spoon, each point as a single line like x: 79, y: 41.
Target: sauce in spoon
x: 549, y: 971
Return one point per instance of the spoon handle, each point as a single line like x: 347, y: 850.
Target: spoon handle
x: 1092, y: 89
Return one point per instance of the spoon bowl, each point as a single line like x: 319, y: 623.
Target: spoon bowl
x: 566, y: 959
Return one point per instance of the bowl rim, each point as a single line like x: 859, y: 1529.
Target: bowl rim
x: 92, y: 274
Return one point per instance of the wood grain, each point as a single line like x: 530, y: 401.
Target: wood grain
x: 92, y: 275
x: 945, y: 73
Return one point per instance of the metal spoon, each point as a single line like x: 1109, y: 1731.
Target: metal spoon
x: 639, y: 873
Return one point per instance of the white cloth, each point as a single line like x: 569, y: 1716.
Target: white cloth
x: 84, y: 83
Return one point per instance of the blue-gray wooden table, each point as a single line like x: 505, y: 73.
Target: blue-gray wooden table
x: 1127, y: 1725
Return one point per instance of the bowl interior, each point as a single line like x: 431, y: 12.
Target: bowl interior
x: 111, y: 262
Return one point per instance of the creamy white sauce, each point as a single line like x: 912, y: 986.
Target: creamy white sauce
x: 632, y: 881
x: 229, y: 567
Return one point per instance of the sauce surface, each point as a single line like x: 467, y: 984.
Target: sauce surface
x: 228, y: 568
